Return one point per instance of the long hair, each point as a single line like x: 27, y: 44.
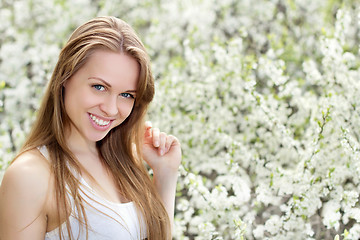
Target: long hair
x: 120, y: 150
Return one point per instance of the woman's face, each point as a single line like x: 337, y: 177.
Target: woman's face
x: 101, y: 94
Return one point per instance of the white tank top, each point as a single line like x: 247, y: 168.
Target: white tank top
x: 106, y: 220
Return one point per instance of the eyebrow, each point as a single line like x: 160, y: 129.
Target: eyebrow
x: 108, y: 84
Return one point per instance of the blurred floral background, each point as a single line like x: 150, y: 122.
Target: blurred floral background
x: 264, y: 96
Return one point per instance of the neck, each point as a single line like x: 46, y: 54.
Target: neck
x: 79, y: 145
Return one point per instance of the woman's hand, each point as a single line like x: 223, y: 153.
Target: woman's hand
x: 163, y: 154
x: 161, y: 151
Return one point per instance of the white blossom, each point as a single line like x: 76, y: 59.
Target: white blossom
x: 263, y: 96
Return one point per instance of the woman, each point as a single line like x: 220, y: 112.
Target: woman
x: 80, y: 173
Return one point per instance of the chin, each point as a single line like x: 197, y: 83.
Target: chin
x: 97, y: 137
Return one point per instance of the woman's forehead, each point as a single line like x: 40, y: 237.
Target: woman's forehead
x: 115, y: 69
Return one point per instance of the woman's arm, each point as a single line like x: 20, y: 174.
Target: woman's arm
x: 165, y: 183
x: 23, y: 193
x: 163, y: 154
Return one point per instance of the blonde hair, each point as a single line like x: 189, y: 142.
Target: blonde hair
x: 116, y: 149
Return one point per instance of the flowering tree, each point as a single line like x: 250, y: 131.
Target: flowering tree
x: 263, y: 96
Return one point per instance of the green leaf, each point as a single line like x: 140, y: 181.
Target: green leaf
x: 2, y: 84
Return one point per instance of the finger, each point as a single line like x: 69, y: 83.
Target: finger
x: 162, y: 143
x: 169, y: 141
x: 156, y: 137
x: 148, y: 127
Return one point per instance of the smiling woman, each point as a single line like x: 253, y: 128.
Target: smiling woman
x: 80, y: 174
x: 95, y: 105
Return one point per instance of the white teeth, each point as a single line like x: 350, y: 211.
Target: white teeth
x: 99, y: 122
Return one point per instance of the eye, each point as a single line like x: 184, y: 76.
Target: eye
x: 99, y: 87
x: 127, y: 95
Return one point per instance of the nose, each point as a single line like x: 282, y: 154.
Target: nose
x: 109, y: 106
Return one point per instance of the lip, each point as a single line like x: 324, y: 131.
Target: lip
x: 96, y: 126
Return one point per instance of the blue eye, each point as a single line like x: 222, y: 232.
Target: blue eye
x: 127, y: 95
x: 98, y: 87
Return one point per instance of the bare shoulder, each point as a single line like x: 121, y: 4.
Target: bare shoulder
x: 31, y: 160
x: 30, y: 169
x: 23, y: 194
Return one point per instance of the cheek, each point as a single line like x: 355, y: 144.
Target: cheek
x: 86, y: 98
x: 89, y: 100
x: 125, y: 108
x: 78, y: 102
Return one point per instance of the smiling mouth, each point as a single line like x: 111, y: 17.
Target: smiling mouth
x: 99, y: 122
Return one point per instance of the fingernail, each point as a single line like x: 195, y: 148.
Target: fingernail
x: 161, y: 152
x: 157, y: 144
x: 148, y: 123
